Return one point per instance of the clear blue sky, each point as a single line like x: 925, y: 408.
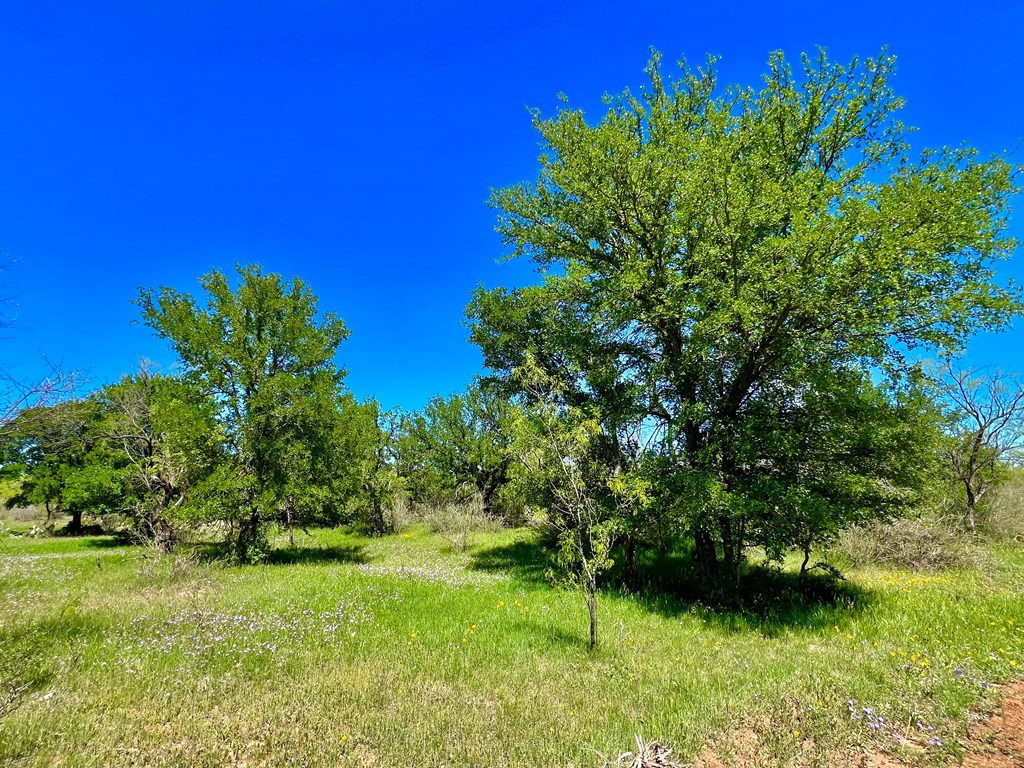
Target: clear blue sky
x: 354, y: 144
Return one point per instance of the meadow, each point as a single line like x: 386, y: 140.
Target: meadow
x: 402, y: 651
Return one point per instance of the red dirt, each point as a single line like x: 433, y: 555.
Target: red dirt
x: 995, y: 742
x: 998, y: 742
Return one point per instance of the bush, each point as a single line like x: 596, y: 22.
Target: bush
x: 919, y: 544
x: 1001, y: 518
x: 458, y: 522
x: 22, y: 514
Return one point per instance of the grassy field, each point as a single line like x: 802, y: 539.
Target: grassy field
x: 348, y: 651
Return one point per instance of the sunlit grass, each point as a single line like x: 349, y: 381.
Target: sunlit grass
x: 401, y: 652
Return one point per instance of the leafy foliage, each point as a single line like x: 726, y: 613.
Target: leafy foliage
x: 716, y: 262
x: 63, y: 462
x: 166, y: 435
x: 266, y: 357
x: 459, y: 447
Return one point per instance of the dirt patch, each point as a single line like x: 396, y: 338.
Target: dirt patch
x: 998, y: 742
x: 994, y: 742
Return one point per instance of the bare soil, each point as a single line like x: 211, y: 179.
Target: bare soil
x: 996, y: 741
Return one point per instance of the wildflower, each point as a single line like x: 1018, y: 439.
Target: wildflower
x: 935, y: 741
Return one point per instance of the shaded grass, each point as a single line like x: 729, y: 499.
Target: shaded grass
x: 353, y: 553
x: 407, y: 654
x: 523, y: 558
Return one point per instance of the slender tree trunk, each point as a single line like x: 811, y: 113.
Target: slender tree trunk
x: 803, y: 565
x: 629, y: 547
x: 288, y: 515
x: 972, y: 502
x: 592, y: 607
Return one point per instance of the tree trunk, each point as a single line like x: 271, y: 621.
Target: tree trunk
x: 972, y: 502
x: 803, y: 565
x: 592, y: 607
x: 163, y: 536
x: 249, y: 545
x: 629, y: 547
x: 75, y: 526
x: 732, y: 550
x: 288, y: 516
x: 705, y: 554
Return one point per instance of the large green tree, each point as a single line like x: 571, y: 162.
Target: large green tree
x: 59, y: 454
x: 164, y: 432
x: 459, y: 445
x: 715, y: 259
x: 265, y: 354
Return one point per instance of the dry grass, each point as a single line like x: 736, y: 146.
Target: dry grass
x: 648, y: 754
x: 1002, y: 516
x: 459, y: 524
x: 922, y: 545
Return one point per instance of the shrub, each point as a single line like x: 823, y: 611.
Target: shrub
x: 1001, y: 518
x: 919, y: 544
x: 458, y: 522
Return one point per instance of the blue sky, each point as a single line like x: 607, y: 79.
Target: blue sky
x: 354, y: 144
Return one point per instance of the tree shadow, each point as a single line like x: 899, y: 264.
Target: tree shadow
x: 767, y: 599
x: 525, y: 560
x: 341, y: 553
x: 207, y: 551
x: 108, y: 541
x: 68, y: 532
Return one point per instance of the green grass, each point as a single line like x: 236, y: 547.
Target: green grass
x: 401, y: 652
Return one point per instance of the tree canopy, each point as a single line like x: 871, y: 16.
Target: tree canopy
x: 715, y: 260
x: 459, y: 445
x: 266, y: 356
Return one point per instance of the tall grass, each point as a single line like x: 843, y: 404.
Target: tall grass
x: 406, y: 651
